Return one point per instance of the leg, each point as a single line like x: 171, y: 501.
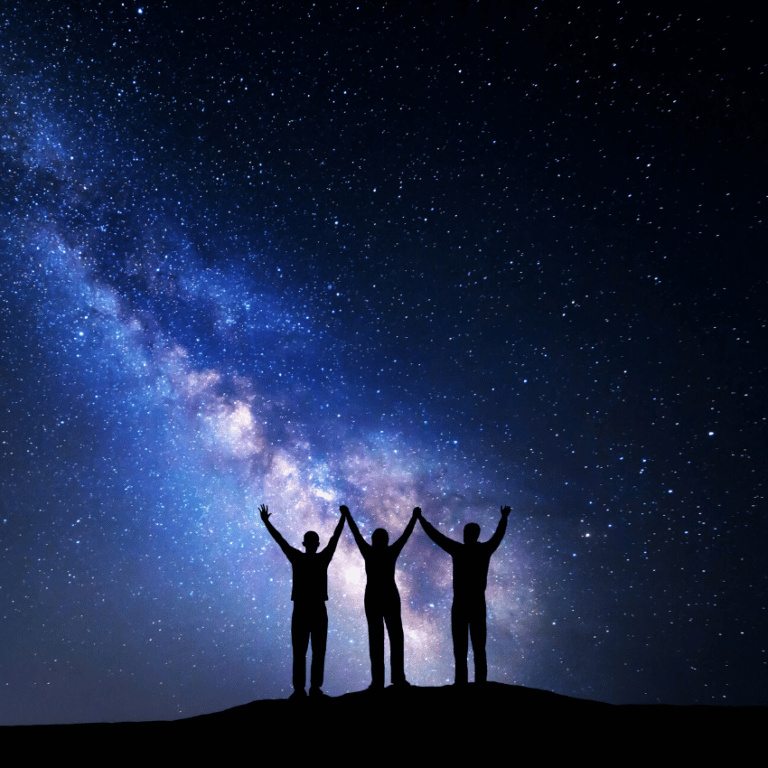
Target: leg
x: 394, y: 623
x: 373, y: 615
x: 478, y: 632
x: 299, y: 641
x: 460, y: 631
x: 319, y: 640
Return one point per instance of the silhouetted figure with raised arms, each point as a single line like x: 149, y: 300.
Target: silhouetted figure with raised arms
x: 382, y: 600
x: 470, y: 578
x: 309, y: 593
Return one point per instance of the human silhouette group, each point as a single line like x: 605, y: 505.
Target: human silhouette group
x: 309, y: 623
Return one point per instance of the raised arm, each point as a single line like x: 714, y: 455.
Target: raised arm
x: 284, y: 545
x: 449, y: 545
x: 362, y: 544
x: 400, y: 543
x: 331, y: 548
x: 495, y: 540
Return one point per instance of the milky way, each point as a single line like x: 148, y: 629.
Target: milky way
x: 384, y: 259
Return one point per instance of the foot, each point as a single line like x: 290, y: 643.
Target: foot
x: 316, y: 693
x: 299, y: 693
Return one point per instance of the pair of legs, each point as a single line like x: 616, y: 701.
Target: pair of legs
x: 381, y: 610
x: 468, y: 619
x: 310, y: 620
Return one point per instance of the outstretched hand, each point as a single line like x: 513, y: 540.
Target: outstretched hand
x: 344, y: 509
x: 505, y: 511
x: 264, y: 510
x: 417, y: 513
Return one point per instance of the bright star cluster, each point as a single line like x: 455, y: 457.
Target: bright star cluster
x: 450, y: 257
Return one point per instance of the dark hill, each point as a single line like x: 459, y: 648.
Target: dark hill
x: 473, y: 722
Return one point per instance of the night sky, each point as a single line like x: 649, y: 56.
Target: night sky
x: 454, y: 255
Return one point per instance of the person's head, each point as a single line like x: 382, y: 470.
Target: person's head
x: 311, y: 541
x: 471, y: 533
x: 379, y: 538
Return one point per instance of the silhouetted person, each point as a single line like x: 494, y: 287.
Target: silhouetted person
x: 382, y: 600
x: 309, y: 593
x: 470, y: 578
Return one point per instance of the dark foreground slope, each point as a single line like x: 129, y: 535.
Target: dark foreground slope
x: 475, y: 722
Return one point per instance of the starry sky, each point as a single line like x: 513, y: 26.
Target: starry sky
x: 454, y: 255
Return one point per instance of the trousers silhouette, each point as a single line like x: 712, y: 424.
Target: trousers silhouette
x: 309, y: 622
x: 468, y: 619
x: 378, y: 612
